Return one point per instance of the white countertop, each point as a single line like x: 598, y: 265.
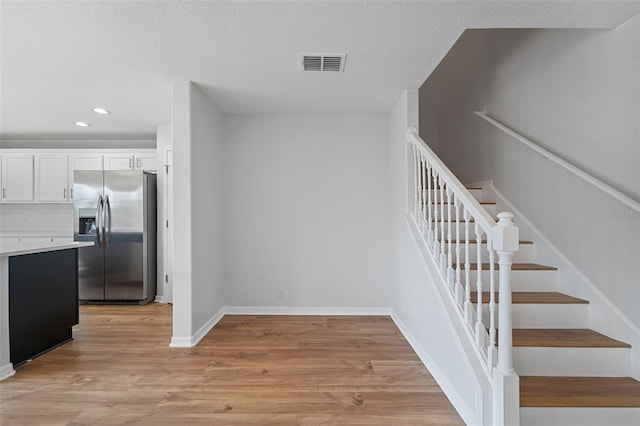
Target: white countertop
x: 19, y: 246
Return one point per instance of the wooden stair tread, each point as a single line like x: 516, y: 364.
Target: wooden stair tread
x: 533, y: 297
x: 563, y: 338
x: 514, y: 267
x: 559, y: 391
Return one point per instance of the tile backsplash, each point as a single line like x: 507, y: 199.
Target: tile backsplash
x: 35, y: 220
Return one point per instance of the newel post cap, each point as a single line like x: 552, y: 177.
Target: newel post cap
x: 506, y: 235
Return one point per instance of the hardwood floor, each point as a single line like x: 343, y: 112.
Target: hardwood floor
x: 267, y: 370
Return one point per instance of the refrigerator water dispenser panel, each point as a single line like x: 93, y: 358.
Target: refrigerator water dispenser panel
x: 87, y: 221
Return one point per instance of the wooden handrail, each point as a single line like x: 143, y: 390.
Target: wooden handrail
x: 481, y: 216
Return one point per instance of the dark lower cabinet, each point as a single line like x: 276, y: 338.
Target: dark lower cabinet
x: 43, y: 302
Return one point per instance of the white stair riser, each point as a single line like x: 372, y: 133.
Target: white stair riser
x: 590, y: 362
x: 570, y: 416
x: 547, y: 316
x: 521, y: 280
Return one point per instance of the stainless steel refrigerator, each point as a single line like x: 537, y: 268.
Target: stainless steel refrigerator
x: 117, y: 211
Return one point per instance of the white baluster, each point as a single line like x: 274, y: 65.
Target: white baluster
x: 492, y: 354
x: 436, y: 242
x: 459, y: 291
x: 506, y: 386
x: 449, y: 240
x: 467, y: 269
x: 443, y: 257
x: 416, y: 166
x: 421, y: 189
x: 430, y: 204
x: 479, y: 323
x: 425, y: 206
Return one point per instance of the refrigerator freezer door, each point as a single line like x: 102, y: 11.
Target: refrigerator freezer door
x: 87, y: 190
x: 90, y: 270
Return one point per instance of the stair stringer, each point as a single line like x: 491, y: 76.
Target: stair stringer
x: 462, y: 335
x: 604, y: 317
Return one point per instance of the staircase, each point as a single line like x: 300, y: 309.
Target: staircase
x: 569, y: 374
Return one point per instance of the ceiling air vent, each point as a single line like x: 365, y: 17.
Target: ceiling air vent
x: 322, y: 62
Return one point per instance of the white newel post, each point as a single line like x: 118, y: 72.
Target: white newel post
x: 506, y: 387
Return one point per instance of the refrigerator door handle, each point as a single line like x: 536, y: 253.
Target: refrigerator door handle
x: 107, y: 235
x: 99, y: 221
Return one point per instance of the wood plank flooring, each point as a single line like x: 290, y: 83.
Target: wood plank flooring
x: 266, y: 370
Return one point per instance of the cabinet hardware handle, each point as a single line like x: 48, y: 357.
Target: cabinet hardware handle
x: 65, y: 192
x: 71, y: 192
x: 138, y: 163
x: 130, y: 163
x: 4, y: 192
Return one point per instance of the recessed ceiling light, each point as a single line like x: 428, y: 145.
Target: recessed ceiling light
x: 99, y: 110
x: 81, y: 124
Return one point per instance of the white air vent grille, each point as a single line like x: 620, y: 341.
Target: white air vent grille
x: 322, y: 61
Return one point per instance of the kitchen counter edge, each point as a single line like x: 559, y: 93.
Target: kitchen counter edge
x: 15, y: 248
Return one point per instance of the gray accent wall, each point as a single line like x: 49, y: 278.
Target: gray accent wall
x: 576, y: 93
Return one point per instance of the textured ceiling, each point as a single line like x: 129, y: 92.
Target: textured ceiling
x: 60, y: 59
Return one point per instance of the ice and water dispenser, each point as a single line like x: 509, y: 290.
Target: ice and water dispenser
x: 87, y: 221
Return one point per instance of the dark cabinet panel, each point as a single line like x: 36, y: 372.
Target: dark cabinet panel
x: 43, y: 302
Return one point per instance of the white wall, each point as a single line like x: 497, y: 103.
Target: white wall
x: 198, y: 291
x: 206, y: 213
x: 306, y: 210
x: 576, y: 92
x: 416, y: 302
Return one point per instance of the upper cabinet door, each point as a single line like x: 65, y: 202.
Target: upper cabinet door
x: 87, y: 161
x: 17, y: 178
x: 146, y: 161
x: 119, y: 162
x: 52, y: 178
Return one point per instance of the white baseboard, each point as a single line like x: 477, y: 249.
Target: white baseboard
x: 187, y: 342
x: 159, y: 299
x: 306, y: 310
x: 181, y: 342
x: 6, y: 371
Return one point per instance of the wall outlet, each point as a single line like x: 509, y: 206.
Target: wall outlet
x: 281, y: 294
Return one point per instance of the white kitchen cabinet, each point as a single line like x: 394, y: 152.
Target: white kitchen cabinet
x: 87, y: 161
x: 119, y: 162
x: 146, y: 161
x: 17, y: 178
x: 137, y: 161
x: 52, y: 178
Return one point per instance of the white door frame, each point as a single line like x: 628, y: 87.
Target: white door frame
x: 168, y: 228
